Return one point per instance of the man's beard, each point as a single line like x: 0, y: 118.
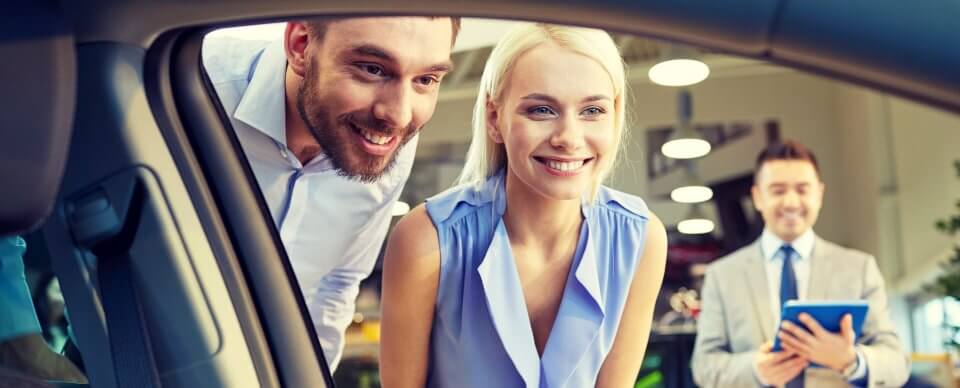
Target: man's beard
x: 336, y: 135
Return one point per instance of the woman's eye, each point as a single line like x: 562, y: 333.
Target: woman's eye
x: 594, y: 111
x: 540, y: 110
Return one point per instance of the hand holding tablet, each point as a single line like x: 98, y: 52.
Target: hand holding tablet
x: 828, y: 316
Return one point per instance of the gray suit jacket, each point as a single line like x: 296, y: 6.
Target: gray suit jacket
x: 735, y: 317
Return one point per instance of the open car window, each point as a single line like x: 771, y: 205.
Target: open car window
x: 887, y: 165
x: 229, y: 196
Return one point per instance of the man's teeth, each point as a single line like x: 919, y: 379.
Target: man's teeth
x: 564, y: 166
x: 376, y: 139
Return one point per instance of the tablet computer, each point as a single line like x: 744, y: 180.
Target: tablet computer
x: 827, y: 312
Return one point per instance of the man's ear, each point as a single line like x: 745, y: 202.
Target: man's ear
x: 295, y: 39
x: 755, y: 195
x: 493, y: 122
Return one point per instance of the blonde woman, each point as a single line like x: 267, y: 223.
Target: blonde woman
x: 529, y: 273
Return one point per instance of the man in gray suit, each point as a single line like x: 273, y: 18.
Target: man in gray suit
x: 743, y: 292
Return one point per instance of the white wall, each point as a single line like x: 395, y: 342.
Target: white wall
x: 926, y: 144
x: 868, y: 172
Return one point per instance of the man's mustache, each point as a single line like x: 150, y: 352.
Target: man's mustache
x: 377, y: 126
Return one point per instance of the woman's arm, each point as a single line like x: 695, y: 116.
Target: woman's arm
x: 411, y: 271
x: 623, y: 363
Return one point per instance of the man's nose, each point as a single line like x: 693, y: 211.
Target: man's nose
x: 394, y: 106
x: 791, y: 199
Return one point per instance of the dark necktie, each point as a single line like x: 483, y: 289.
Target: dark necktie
x: 788, y: 279
x: 788, y: 292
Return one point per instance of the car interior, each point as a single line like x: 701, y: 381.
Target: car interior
x: 152, y: 258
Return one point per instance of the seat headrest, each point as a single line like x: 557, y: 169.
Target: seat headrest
x: 38, y: 68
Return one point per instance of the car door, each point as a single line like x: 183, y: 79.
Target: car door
x: 150, y: 153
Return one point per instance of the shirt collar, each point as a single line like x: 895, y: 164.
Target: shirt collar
x: 263, y: 105
x: 803, y: 245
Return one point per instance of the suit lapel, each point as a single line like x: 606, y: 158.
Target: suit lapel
x: 818, y: 287
x: 759, y: 290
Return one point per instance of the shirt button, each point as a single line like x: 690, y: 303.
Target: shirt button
x: 283, y: 153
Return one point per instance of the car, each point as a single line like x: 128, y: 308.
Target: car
x: 114, y: 154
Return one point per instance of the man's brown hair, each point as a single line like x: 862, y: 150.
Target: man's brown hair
x: 317, y: 27
x: 786, y: 150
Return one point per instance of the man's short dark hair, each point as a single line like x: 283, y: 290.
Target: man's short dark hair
x: 786, y: 150
x: 317, y: 27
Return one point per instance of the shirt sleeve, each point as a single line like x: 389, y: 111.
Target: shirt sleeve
x: 859, y: 377
x: 336, y: 294
x: 16, y: 305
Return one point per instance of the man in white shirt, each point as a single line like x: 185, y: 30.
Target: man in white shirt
x: 743, y: 292
x: 328, y: 119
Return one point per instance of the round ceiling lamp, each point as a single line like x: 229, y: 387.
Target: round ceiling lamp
x: 685, y: 142
x: 679, y: 72
x: 695, y: 226
x: 695, y: 222
x: 678, y: 66
x: 691, y: 194
x: 683, y: 147
x: 691, y: 189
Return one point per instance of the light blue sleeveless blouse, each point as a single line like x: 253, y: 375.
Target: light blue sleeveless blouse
x: 481, y: 334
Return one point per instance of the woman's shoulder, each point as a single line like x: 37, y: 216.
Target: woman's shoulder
x: 411, y: 233
x: 623, y: 203
x: 457, y: 202
x: 633, y: 214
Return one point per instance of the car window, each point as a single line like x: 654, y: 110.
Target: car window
x: 883, y: 193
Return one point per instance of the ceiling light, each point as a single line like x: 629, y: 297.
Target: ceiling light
x: 679, y: 72
x: 685, y: 148
x: 400, y: 208
x: 685, y: 142
x: 691, y: 194
x: 695, y: 226
x: 678, y: 66
x: 695, y: 222
x: 691, y: 188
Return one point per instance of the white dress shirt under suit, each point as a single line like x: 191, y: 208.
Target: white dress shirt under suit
x: 770, y: 245
x: 737, y: 317
x: 332, y: 227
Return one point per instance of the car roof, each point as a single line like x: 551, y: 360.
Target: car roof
x: 890, y: 45
x: 886, y: 44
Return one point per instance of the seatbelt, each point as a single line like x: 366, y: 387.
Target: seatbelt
x: 130, y: 347
x: 110, y: 240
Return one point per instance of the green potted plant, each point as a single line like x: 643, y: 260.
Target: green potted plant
x: 948, y: 284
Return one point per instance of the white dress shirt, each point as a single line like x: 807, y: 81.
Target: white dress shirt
x: 770, y: 244
x: 332, y: 227
x: 774, y: 257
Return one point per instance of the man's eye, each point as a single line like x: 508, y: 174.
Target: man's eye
x: 427, y: 80
x: 371, y: 69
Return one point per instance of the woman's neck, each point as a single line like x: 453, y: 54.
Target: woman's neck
x: 533, y: 219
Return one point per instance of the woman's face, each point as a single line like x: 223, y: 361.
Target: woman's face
x: 556, y: 120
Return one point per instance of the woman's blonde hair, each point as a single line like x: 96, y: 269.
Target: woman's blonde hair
x: 486, y: 157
